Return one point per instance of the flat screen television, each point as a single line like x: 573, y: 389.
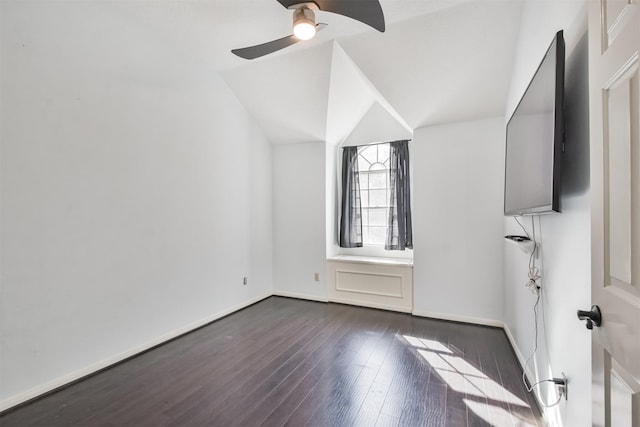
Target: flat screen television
x: 535, y: 144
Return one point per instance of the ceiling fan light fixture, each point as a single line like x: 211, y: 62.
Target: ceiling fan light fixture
x: 304, y: 24
x: 368, y: 12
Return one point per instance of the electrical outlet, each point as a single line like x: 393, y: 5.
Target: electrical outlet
x: 316, y: 277
x: 564, y: 388
x: 245, y: 280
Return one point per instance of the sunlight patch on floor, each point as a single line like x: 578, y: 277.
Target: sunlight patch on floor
x: 483, y: 396
x: 426, y: 344
x: 495, y: 415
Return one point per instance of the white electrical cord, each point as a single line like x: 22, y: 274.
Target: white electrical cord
x: 545, y: 404
x: 534, y: 272
x: 522, y: 226
x: 535, y: 344
x: 534, y: 287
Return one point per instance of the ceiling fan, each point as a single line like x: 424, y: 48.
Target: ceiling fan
x: 305, y: 27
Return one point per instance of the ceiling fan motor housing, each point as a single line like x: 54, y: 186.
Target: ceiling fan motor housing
x: 304, y: 14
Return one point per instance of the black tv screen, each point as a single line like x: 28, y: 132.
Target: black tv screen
x: 535, y: 135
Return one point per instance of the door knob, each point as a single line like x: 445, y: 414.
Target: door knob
x: 593, y: 317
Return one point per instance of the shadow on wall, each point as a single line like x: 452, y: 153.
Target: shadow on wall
x: 575, y: 168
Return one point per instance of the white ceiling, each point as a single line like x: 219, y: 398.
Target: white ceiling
x: 442, y: 67
x: 438, y: 61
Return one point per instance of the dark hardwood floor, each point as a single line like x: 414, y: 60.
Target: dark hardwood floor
x: 295, y: 363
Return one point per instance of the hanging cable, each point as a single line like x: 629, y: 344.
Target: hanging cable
x: 533, y: 273
x: 532, y: 284
x: 522, y: 226
x: 558, y: 381
x: 535, y: 344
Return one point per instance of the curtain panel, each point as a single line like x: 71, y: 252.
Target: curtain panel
x: 399, y: 230
x: 351, y: 210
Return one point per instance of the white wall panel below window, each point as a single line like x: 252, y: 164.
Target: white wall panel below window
x: 368, y: 282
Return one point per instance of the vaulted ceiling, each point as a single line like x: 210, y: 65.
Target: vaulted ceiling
x: 439, y: 61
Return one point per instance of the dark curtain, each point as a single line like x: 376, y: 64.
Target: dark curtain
x: 351, y: 211
x: 399, y: 230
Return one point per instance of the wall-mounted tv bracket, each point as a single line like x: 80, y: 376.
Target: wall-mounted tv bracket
x: 516, y: 238
x: 525, y: 244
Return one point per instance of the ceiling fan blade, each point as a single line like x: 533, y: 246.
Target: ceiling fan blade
x: 366, y: 11
x: 253, y: 52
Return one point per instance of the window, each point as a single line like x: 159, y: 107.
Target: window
x: 376, y: 201
x: 373, y: 165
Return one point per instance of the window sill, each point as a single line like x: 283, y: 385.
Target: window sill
x: 372, y: 260
x: 375, y: 252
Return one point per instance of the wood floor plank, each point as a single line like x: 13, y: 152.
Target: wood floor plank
x: 275, y: 375
x: 257, y: 371
x: 387, y: 421
x: 338, y: 376
x: 343, y: 407
x: 316, y: 378
x: 291, y: 362
x: 213, y: 385
x: 281, y: 393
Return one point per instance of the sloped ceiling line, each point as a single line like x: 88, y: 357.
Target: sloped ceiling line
x: 377, y: 125
x: 287, y: 94
x: 450, y: 65
x: 447, y: 66
x: 350, y: 97
x: 353, y: 99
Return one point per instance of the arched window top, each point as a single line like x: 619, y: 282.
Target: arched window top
x: 373, y: 157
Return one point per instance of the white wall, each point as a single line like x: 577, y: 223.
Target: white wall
x: 299, y: 220
x: 332, y: 207
x: 458, y: 225
x: 135, y: 194
x: 260, y: 211
x: 564, y: 343
x: 377, y: 125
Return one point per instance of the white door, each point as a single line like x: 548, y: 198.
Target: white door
x: 614, y: 96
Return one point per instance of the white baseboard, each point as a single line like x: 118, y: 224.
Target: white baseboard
x: 522, y: 361
x: 339, y: 301
x: 299, y: 296
x: 515, y: 347
x: 458, y: 318
x: 370, y: 305
x: 105, y: 363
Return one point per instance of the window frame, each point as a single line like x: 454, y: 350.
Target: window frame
x: 378, y: 164
x: 366, y: 250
